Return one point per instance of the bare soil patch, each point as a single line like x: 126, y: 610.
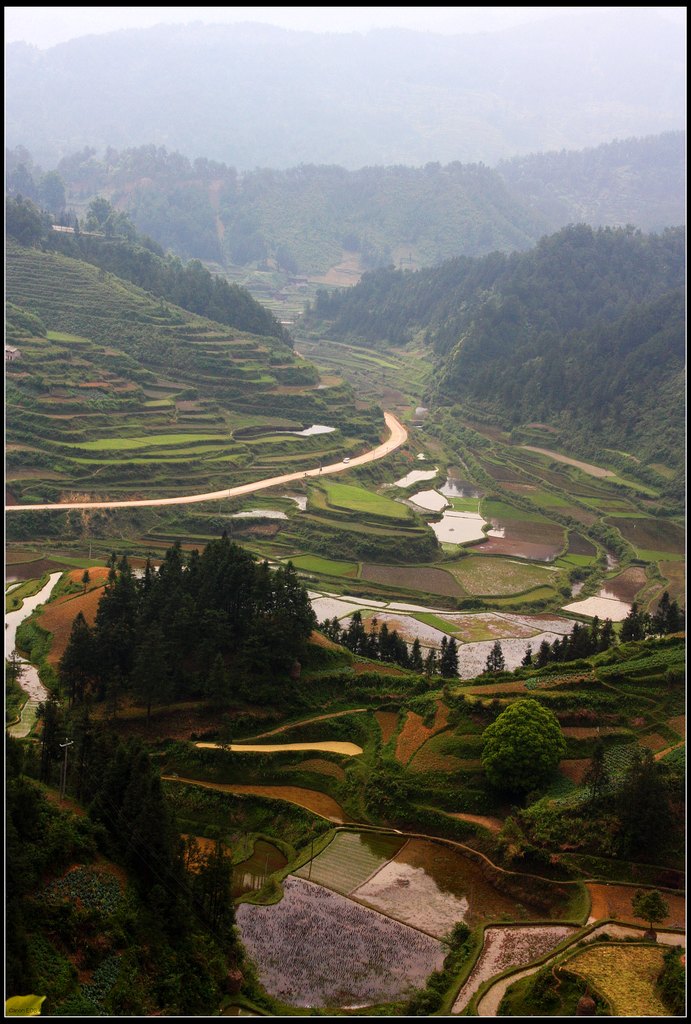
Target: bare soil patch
x: 574, y: 769
x: 583, y: 732
x: 653, y: 741
x: 678, y: 723
x: 414, y: 732
x: 319, y: 803
x: 388, y: 720
x: 615, y: 901
x: 58, y: 617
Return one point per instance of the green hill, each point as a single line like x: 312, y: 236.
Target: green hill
x: 116, y: 391
x: 584, y: 332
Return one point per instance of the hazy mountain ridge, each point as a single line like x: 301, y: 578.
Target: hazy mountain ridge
x: 629, y: 181
x: 258, y: 96
x: 306, y: 217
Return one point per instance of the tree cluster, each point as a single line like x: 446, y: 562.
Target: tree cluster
x: 383, y: 644
x: 198, y: 626
x: 581, y: 642
x: 668, y: 618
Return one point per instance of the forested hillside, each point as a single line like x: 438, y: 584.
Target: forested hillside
x: 634, y: 181
x: 585, y: 331
x: 304, y: 220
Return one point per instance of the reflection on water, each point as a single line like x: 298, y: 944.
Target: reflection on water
x: 252, y: 873
x: 459, y: 527
x: 431, y: 887
x: 456, y: 487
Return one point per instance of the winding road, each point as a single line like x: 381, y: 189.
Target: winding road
x: 398, y: 435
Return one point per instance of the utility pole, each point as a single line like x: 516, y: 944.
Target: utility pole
x: 63, y: 777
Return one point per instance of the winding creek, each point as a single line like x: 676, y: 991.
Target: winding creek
x: 29, y: 679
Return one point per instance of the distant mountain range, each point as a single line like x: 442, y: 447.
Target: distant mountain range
x: 256, y: 96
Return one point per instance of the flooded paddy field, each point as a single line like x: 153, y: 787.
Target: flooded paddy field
x: 251, y: 874
x: 457, y: 486
x: 432, y: 886
x: 625, y: 586
x: 459, y: 528
x: 316, y: 948
x: 350, y: 859
x: 501, y: 576
x: 473, y: 657
x: 650, y: 534
x: 604, y: 608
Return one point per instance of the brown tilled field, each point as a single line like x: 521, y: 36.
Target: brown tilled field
x: 615, y: 901
x: 574, y: 769
x: 414, y: 732
x: 58, y: 616
x: 388, y: 720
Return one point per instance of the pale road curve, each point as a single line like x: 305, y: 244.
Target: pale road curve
x: 397, y: 437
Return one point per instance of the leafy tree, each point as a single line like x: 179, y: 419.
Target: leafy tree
x: 86, y: 579
x: 522, y: 747
x: 650, y: 906
x: 495, y: 659
x: 23, y: 221
x: 527, y: 658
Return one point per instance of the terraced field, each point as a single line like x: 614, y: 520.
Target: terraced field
x: 350, y: 859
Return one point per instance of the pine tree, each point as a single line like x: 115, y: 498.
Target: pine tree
x: 495, y: 660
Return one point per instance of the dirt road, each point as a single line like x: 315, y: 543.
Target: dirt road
x: 396, y: 438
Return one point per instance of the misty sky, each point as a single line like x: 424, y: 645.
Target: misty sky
x: 47, y: 26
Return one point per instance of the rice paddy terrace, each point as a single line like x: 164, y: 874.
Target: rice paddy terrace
x: 116, y: 393
x: 368, y: 824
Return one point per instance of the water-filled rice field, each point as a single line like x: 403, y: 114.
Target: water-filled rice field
x: 509, y: 947
x: 625, y: 586
x: 316, y: 948
x: 349, y: 859
x: 252, y: 873
x: 650, y: 534
x: 431, y: 886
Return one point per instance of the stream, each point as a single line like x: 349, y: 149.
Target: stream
x: 29, y: 680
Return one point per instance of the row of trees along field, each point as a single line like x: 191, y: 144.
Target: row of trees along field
x: 199, y: 626
x: 383, y: 644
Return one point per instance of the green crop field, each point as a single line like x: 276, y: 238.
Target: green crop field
x: 350, y: 859
x: 357, y: 499
x: 326, y: 566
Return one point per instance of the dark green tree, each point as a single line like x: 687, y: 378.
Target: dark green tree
x: 643, y: 804
x: 448, y: 665
x: 596, y: 776
x: 495, y: 660
x: 523, y: 747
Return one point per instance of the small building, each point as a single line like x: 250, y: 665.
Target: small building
x: 11, y: 354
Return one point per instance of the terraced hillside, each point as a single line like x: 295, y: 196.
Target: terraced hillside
x: 115, y: 393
